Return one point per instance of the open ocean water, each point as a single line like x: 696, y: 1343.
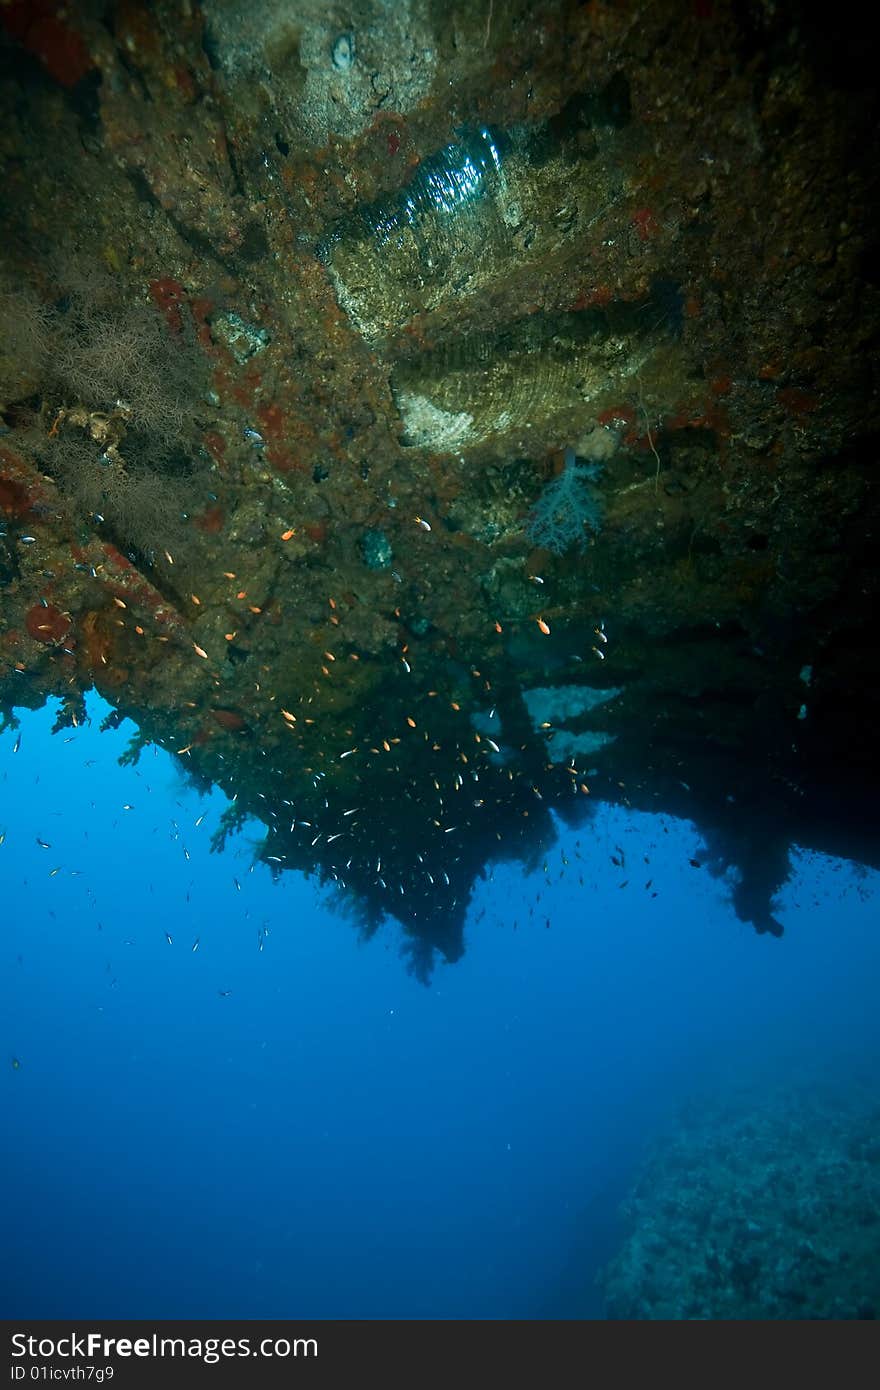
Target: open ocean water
x: 218, y: 1102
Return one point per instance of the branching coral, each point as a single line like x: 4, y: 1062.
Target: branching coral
x: 569, y: 508
x: 111, y: 396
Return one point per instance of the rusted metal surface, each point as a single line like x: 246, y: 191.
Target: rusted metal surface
x: 298, y: 327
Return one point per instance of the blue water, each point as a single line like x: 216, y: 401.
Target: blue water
x: 331, y: 1138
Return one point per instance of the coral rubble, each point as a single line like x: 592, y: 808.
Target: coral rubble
x: 762, y: 1204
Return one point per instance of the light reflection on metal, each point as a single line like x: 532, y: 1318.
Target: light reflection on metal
x: 456, y: 175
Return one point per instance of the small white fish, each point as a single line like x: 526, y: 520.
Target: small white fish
x: 195, y: 945
x: 168, y: 938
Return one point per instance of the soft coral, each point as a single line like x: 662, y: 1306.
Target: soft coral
x: 568, y: 508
